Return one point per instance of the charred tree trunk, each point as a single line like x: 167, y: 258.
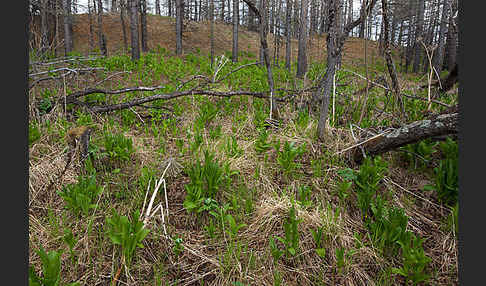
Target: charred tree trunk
x: 143, y: 25
x: 211, y: 36
x: 444, y: 124
x: 179, y: 15
x: 438, y: 59
x: 288, y: 31
x: 263, y: 41
x: 101, y: 35
x: 236, y: 19
x: 134, y: 42
x: 451, y: 39
x: 123, y: 7
x: 68, y: 27
x: 335, y: 42
x: 418, y: 36
x: 157, y: 7
x: 302, y: 52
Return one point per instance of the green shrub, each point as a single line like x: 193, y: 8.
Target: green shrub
x: 51, y: 270
x: 414, y: 260
x: 291, y: 238
x: 286, y: 157
x: 34, y: 133
x: 367, y: 179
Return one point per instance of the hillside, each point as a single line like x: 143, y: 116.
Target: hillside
x: 166, y: 171
x: 161, y: 32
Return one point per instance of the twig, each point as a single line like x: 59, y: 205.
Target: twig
x: 66, y: 69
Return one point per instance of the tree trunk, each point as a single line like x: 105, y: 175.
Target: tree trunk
x: 211, y: 36
x: 44, y: 28
x: 438, y: 59
x: 222, y: 11
x: 101, y: 36
x: 296, y: 18
x: 90, y: 20
x: 288, y: 31
x: 123, y: 7
x: 302, y: 52
x: 169, y: 5
x: 335, y: 42
x: 235, y: 30
x: 113, y: 6
x: 262, y: 16
x: 451, y: 39
x: 143, y: 25
x: 419, y: 36
x: 134, y: 42
x: 444, y: 124
x: 68, y: 27
x: 179, y: 12
x: 362, y: 26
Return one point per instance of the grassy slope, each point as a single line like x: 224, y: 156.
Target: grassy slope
x: 260, y: 194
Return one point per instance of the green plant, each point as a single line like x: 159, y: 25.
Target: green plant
x: 387, y: 227
x: 286, y: 157
x: 205, y: 181
x: 34, y: 133
x: 343, y: 257
x: 317, y: 236
x: 117, y: 146
x: 231, y: 147
x: 51, y: 270
x: 261, y: 144
x: 71, y: 241
x: 414, y: 260
x: 367, y: 179
x: 303, y: 118
x: 419, y: 154
x: 80, y: 197
x: 291, y: 239
x: 178, y: 246
x: 274, y: 250
x: 233, y: 226
x: 304, y: 196
x: 127, y: 234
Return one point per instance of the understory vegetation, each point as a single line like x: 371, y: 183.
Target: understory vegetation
x: 199, y: 190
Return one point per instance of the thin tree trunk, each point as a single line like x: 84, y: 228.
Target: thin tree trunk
x: 335, y: 42
x: 68, y: 27
x: 101, y: 36
x: 451, y: 40
x: 113, y: 6
x: 134, y: 42
x: 179, y: 14
x: 288, y: 31
x: 123, y: 7
x: 438, y: 59
x: 211, y: 36
x: 235, y: 30
x: 302, y: 52
x: 90, y: 20
x: 419, y: 36
x: 143, y: 25
x: 169, y: 5
x: 296, y: 18
x: 44, y: 28
x: 263, y: 41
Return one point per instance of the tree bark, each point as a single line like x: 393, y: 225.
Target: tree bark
x: 302, y: 52
x: 335, y: 42
x: 143, y: 25
x: 123, y: 7
x: 236, y: 19
x: 452, y: 39
x: 418, y: 36
x: 263, y: 41
x: 211, y: 36
x: 68, y: 27
x: 443, y: 124
x: 134, y: 42
x: 44, y: 28
x: 179, y: 15
x: 101, y: 36
x: 438, y: 59
x: 288, y: 31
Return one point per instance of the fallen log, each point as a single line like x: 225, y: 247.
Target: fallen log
x: 444, y: 124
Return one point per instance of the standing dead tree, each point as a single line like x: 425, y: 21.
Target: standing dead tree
x: 335, y: 42
x: 261, y: 15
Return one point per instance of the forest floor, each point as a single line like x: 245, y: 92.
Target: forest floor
x: 240, y: 203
